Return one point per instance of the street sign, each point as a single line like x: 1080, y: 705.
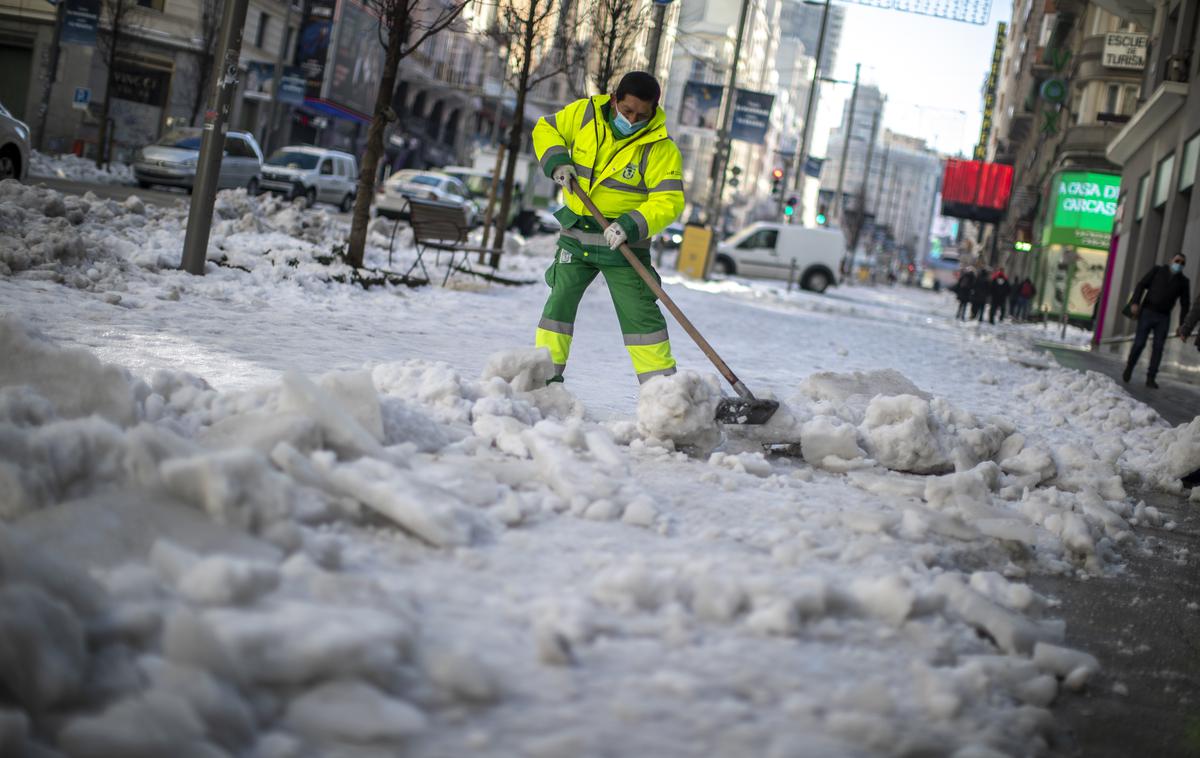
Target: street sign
x: 80, y: 21
x: 83, y: 96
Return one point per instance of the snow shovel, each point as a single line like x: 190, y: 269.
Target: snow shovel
x: 743, y: 409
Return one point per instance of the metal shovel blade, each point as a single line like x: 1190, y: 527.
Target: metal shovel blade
x: 737, y: 410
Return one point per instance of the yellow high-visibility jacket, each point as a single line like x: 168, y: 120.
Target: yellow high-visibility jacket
x: 636, y: 181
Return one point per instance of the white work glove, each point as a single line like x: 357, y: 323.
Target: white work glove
x: 614, y: 235
x: 563, y: 175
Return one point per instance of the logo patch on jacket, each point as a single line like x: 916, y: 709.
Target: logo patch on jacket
x: 564, y: 256
x: 629, y: 172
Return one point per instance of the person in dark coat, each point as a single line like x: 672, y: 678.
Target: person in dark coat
x: 962, y: 291
x: 981, y: 290
x: 1151, y: 305
x: 1001, y: 288
x: 1022, y: 297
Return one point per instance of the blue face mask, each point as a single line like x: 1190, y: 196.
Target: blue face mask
x: 1176, y: 267
x: 624, y: 128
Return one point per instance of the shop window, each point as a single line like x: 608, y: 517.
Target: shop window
x: 260, y: 35
x: 1143, y: 186
x: 1162, y: 180
x: 1187, y: 166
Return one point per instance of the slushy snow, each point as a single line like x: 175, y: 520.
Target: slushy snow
x: 270, y: 513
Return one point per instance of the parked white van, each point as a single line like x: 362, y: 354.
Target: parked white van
x: 767, y: 250
x: 313, y: 173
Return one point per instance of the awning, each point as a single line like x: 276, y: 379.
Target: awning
x: 1147, y: 121
x: 329, y: 108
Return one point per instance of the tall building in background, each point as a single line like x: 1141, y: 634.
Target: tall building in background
x: 802, y: 22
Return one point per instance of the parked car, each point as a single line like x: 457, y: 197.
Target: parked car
x: 771, y: 250
x: 14, y: 147
x: 391, y: 201
x: 313, y: 173
x: 171, y: 161
x: 671, y: 237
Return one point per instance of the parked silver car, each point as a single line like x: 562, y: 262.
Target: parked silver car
x: 14, y: 147
x: 313, y: 173
x: 391, y: 200
x: 172, y: 161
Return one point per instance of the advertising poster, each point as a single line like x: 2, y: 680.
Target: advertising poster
x: 1085, y: 204
x: 357, y: 59
x: 313, y: 46
x: 701, y: 107
x: 292, y: 85
x: 751, y: 116
x: 260, y: 80
x: 80, y: 20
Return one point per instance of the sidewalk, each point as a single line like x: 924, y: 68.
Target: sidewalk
x: 1177, y: 400
x: 1142, y: 624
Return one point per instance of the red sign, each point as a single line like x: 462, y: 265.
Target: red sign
x: 976, y: 190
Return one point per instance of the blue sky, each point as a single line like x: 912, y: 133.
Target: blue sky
x: 931, y: 70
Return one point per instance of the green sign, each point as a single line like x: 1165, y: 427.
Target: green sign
x: 1085, y: 204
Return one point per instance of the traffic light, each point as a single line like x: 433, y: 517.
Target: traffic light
x: 822, y: 219
x: 777, y: 181
x: 789, y: 208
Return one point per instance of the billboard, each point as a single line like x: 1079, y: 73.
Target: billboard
x: 976, y: 190
x: 751, y: 116
x: 313, y: 46
x: 989, y: 92
x: 701, y: 106
x: 1085, y: 204
x: 356, y: 65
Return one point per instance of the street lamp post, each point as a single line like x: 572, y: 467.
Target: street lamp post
x: 806, y: 134
x: 838, y: 205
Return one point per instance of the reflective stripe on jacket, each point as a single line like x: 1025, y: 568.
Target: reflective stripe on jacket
x: 637, y: 181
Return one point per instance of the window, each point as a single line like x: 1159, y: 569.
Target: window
x: 1162, y: 180
x: 1143, y: 186
x: 1129, y: 100
x: 237, y: 147
x: 260, y: 36
x: 1112, y: 99
x: 326, y: 167
x: 154, y: 5
x: 1187, y: 166
x: 762, y: 238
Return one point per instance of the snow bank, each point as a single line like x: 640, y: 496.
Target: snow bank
x: 75, y: 168
x: 681, y: 408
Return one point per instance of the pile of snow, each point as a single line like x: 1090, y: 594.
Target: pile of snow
x: 681, y: 408
x: 72, y: 167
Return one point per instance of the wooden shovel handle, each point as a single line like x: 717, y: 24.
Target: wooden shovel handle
x: 654, y: 286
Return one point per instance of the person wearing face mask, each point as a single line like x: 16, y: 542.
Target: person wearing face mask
x: 1151, y: 304
x: 618, y: 149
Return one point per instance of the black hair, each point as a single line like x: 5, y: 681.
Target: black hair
x: 641, y: 85
x: 1179, y: 255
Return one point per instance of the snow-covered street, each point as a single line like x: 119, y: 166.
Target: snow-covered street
x: 264, y: 513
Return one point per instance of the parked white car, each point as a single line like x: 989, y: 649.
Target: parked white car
x: 313, y: 173
x: 391, y: 201
x: 14, y: 147
x: 770, y: 250
x: 171, y: 161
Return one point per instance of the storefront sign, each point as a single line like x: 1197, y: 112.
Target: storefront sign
x: 989, y: 92
x: 751, y: 116
x: 1085, y: 205
x: 1125, y: 50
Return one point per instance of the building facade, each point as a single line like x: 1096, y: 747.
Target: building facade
x: 1158, y: 151
x: 1066, y: 88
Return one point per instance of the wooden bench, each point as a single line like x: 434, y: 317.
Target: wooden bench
x: 442, y: 228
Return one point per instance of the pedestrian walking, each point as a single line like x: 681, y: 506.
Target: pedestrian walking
x: 1022, y: 296
x: 1001, y: 288
x: 962, y: 291
x: 618, y: 149
x: 1151, y: 304
x: 981, y: 291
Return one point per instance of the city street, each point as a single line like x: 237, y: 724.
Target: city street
x: 485, y: 566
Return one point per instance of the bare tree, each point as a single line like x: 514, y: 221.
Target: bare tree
x: 210, y: 27
x: 529, y: 27
x: 615, y: 28
x: 403, y: 26
x: 119, y: 17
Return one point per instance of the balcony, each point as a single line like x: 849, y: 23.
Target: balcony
x: 1141, y: 11
x: 1087, y: 140
x: 1147, y: 121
